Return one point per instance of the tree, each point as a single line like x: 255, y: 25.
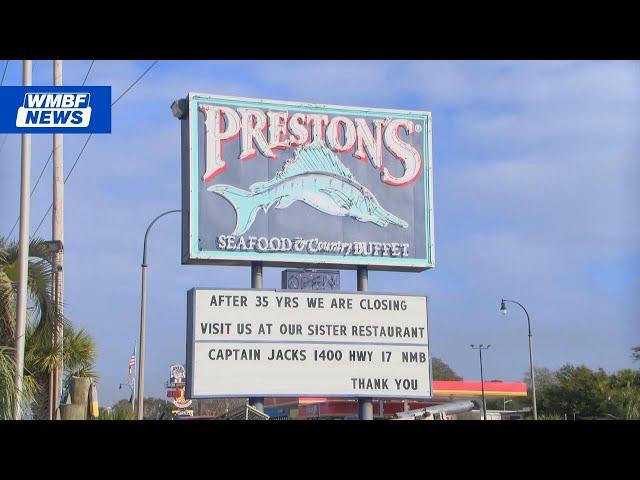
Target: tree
x: 635, y: 353
x: 41, y: 353
x: 623, y: 401
x: 577, y: 390
x: 154, y: 409
x: 442, y: 371
x: 157, y: 409
x: 218, y: 406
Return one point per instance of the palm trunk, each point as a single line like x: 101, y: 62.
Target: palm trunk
x: 40, y: 404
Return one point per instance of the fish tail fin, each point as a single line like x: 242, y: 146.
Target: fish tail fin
x: 243, y: 202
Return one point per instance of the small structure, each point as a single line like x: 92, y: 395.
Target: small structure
x: 444, y: 411
x: 494, y: 415
x: 243, y: 412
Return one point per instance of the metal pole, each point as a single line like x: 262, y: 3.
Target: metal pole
x: 57, y: 226
x: 484, y: 404
x: 256, y: 282
x: 143, y: 316
x: 133, y: 386
x: 23, y: 254
x: 531, y: 367
x: 533, y: 376
x: 365, y: 405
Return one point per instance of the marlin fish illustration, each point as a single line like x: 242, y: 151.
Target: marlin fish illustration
x: 315, y: 176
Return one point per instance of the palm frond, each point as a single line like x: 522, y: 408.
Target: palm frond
x: 79, y: 353
x: 7, y: 390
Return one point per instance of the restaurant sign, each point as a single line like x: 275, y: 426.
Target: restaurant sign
x: 293, y: 184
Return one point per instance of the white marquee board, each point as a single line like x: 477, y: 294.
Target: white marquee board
x: 270, y: 343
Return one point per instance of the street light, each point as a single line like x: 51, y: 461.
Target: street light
x: 503, y: 310
x: 143, y: 315
x: 480, y: 348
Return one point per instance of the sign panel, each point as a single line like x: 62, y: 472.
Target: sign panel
x: 270, y: 343
x: 328, y: 280
x: 55, y: 109
x: 294, y: 184
x: 176, y: 375
x: 176, y: 386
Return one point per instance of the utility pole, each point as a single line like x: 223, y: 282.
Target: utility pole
x: 57, y: 227
x: 23, y: 254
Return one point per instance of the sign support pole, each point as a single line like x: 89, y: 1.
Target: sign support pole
x: 256, y: 282
x: 23, y: 256
x: 365, y: 405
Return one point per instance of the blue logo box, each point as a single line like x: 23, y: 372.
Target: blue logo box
x: 48, y: 109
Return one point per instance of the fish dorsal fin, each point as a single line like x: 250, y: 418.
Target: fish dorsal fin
x: 310, y: 158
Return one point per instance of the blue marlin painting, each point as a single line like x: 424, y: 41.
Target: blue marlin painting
x: 315, y: 176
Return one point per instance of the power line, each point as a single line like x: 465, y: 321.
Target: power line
x: 4, y: 72
x: 4, y: 141
x: 65, y: 181
x: 35, y: 185
x: 87, y: 75
x: 132, y: 85
x: 89, y: 138
x: 1, y: 82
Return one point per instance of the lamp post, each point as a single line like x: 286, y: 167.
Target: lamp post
x: 504, y: 403
x: 480, y: 348
x: 503, y: 310
x: 143, y: 316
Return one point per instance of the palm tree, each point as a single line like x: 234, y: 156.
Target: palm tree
x: 41, y: 353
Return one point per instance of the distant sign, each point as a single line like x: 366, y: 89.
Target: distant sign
x: 183, y: 413
x: 293, y: 183
x: 176, y: 386
x: 316, y: 280
x: 270, y: 343
x: 176, y: 375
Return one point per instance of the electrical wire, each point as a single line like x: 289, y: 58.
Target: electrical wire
x: 90, y: 136
x: 35, y: 185
x: 1, y: 82
x: 4, y: 72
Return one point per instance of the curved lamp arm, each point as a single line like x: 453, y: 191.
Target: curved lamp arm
x: 144, y: 251
x: 525, y: 311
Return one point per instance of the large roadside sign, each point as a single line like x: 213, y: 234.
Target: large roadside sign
x: 271, y: 343
x: 294, y: 184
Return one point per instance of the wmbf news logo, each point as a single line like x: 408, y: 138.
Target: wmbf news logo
x: 65, y: 109
x: 70, y: 110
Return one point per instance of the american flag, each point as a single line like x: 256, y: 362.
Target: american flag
x: 132, y: 362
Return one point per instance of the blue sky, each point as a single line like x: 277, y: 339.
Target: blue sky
x: 536, y: 174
